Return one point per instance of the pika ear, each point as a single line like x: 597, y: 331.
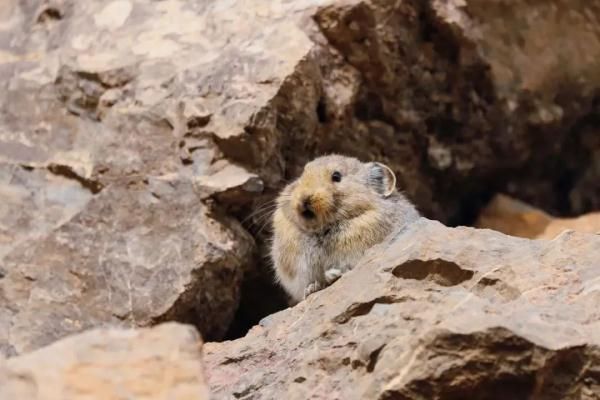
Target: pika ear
x: 382, y: 178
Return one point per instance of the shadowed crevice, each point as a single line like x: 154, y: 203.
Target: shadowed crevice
x: 442, y: 272
x: 364, y: 308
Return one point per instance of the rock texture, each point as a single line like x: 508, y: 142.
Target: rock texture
x: 102, y: 218
x: 112, y: 364
x: 448, y: 92
x: 516, y: 218
x: 436, y: 313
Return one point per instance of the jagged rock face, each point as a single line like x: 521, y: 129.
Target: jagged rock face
x: 132, y: 130
x: 147, y: 364
x: 435, y: 313
x: 102, y: 218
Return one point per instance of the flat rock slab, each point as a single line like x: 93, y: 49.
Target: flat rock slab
x: 436, y: 313
x: 113, y: 364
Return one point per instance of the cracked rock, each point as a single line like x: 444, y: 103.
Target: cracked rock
x: 127, y: 256
x: 434, y: 313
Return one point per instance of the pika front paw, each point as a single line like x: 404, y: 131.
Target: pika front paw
x: 311, y: 288
x: 332, y: 275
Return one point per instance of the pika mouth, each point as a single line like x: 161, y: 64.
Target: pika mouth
x: 312, y: 224
x: 308, y: 214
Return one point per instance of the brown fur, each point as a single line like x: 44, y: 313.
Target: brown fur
x: 346, y: 219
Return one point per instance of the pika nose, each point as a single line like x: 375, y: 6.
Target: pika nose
x: 306, y: 209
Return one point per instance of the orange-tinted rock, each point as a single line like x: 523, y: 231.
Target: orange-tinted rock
x: 111, y: 364
x: 513, y: 217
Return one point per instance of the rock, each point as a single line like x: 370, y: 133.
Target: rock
x: 435, y: 313
x: 102, y: 220
x: 229, y: 184
x: 513, y: 217
x: 450, y: 96
x: 138, y: 253
x: 158, y: 363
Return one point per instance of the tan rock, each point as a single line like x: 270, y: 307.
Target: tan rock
x: 516, y: 218
x: 436, y: 313
x: 111, y: 364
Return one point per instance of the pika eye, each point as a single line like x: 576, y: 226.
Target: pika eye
x: 336, y: 176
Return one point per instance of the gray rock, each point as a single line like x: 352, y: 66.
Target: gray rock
x: 101, y: 219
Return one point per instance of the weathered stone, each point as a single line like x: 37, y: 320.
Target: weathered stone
x: 138, y: 253
x: 436, y: 313
x: 513, y: 217
x: 229, y: 184
x: 147, y: 364
x: 101, y: 219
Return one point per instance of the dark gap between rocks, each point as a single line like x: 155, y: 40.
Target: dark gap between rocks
x: 260, y: 295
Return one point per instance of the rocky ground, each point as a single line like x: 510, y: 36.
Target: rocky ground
x: 142, y: 141
x: 436, y: 313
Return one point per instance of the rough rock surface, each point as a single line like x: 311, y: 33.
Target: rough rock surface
x: 102, y: 216
x: 513, y: 217
x: 111, y: 364
x: 437, y: 313
x: 121, y: 161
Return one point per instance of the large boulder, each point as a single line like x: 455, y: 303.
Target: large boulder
x: 435, y: 313
x: 104, y: 217
x: 145, y: 364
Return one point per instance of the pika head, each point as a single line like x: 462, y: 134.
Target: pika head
x: 335, y: 188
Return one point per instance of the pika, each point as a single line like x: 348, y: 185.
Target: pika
x: 327, y: 218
